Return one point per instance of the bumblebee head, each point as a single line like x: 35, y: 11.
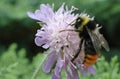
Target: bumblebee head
x: 83, y: 21
x: 80, y: 22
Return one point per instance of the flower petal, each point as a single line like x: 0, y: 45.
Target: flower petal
x: 73, y: 72
x: 87, y: 70
x: 46, y: 13
x: 68, y: 75
x: 46, y: 9
x: 40, y: 41
x: 57, y: 70
x: 58, y: 67
x: 46, y: 46
x: 32, y: 15
x: 49, y: 62
x: 60, y: 10
x: 92, y: 70
x: 84, y: 71
x: 55, y: 77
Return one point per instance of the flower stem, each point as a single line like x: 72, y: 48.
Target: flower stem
x: 34, y: 76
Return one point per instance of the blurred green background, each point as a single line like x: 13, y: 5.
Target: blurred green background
x: 19, y: 55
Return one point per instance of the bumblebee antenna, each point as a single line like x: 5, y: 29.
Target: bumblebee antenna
x: 71, y: 30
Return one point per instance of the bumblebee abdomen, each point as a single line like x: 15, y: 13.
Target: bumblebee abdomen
x: 90, y: 59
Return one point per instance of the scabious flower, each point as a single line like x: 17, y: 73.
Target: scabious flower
x: 62, y: 45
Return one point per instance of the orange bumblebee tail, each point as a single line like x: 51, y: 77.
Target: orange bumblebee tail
x: 90, y: 59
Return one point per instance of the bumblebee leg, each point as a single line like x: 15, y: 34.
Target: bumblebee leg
x: 76, y: 55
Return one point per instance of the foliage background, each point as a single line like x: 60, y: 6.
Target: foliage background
x: 19, y: 56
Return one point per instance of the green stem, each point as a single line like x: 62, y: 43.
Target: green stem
x: 34, y: 76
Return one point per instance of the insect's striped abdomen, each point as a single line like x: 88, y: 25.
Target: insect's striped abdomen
x: 90, y: 59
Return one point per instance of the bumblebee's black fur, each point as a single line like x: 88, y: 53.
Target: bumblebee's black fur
x: 89, y: 48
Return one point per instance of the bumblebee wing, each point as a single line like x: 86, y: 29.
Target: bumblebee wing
x: 98, y: 41
x: 101, y: 38
x: 104, y: 43
x: 95, y: 40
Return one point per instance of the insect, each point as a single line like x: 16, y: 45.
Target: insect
x: 93, y: 40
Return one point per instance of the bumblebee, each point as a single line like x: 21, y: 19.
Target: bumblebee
x: 93, y: 40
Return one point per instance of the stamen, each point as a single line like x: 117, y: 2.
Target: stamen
x: 74, y: 8
x: 73, y: 65
x: 92, y: 18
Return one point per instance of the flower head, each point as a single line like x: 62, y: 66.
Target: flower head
x: 62, y: 45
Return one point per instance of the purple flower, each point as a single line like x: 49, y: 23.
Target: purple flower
x: 62, y: 45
